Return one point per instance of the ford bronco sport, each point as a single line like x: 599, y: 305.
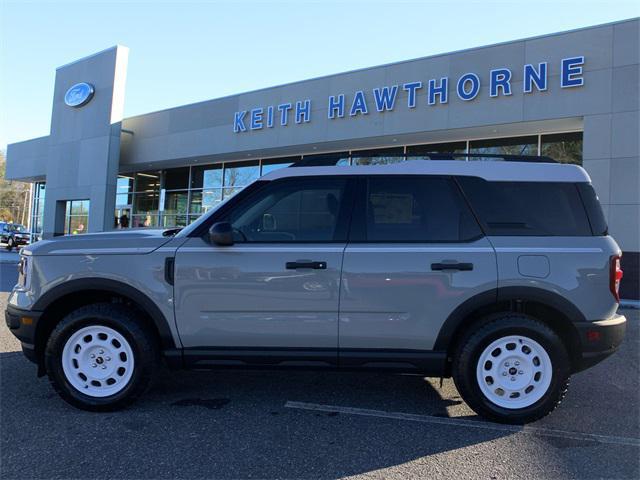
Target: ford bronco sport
x: 498, y: 274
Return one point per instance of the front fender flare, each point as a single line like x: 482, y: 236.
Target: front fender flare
x: 119, y: 288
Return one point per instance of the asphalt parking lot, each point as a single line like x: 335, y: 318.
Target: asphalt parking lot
x: 8, y: 269
x: 259, y: 424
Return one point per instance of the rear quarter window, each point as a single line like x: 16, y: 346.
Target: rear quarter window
x: 527, y: 208
x: 594, y: 209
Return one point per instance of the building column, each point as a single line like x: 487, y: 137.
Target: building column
x: 84, y: 143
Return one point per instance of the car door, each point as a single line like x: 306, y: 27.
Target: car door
x: 273, y: 295
x: 415, y: 253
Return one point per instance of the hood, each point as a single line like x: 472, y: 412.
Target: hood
x: 120, y: 242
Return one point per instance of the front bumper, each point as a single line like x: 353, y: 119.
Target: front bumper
x: 599, y: 339
x: 22, y: 323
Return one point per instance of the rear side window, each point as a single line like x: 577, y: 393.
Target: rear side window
x: 527, y: 208
x: 594, y: 209
x: 417, y: 209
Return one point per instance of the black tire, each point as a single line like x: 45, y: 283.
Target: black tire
x: 117, y: 317
x: 10, y: 244
x: 470, y: 348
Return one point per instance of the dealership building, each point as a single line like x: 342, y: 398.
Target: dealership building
x: 572, y: 96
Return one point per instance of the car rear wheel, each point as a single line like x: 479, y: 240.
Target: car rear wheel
x: 100, y: 357
x: 512, y: 369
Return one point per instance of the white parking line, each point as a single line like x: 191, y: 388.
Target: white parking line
x: 459, y: 422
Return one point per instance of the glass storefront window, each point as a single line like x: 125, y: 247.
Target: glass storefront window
x: 204, y: 200
x: 230, y: 192
x: 339, y: 158
x: 36, y: 225
x: 381, y: 156
x: 175, y: 202
x: 563, y: 147
x: 40, y: 190
x: 169, y: 221
x: 124, y: 187
x: 78, y: 207
x: 414, y: 152
x: 37, y: 212
x: 275, y: 163
x: 145, y: 203
x: 241, y: 174
x: 505, y: 146
x: 140, y: 221
x: 192, y: 191
x: 76, y: 217
x: 145, y: 181
x: 176, y: 178
x: 207, y: 176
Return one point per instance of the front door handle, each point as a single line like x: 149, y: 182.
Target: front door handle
x: 306, y: 264
x: 452, y: 266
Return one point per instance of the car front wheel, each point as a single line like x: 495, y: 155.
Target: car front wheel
x: 100, y: 357
x: 513, y: 369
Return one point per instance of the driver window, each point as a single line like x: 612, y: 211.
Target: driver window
x: 299, y: 210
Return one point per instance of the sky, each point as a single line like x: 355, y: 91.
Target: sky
x: 184, y: 52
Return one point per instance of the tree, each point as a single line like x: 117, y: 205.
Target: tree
x: 14, y: 197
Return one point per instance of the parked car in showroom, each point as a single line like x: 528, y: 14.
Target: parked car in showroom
x: 499, y: 274
x: 14, y: 235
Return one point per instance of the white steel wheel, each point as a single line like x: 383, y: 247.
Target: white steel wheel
x: 514, y: 372
x: 97, y: 361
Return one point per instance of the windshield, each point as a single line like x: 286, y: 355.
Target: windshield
x: 186, y: 231
x: 17, y: 228
x: 202, y: 218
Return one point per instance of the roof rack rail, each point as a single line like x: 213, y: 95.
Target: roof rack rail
x: 332, y: 160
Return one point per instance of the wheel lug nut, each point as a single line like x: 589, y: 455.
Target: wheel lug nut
x: 513, y: 379
x: 108, y: 359
x: 504, y: 374
x: 506, y: 364
x: 104, y: 366
x: 101, y: 351
x: 520, y: 372
x: 93, y: 355
x: 93, y: 365
x: 516, y: 363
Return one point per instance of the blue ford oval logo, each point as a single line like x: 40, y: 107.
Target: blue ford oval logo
x: 79, y: 94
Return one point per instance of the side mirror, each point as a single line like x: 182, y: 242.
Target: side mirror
x: 221, y: 233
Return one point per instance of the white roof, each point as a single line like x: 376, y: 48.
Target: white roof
x: 500, y: 171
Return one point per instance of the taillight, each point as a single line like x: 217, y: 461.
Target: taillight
x: 615, y: 275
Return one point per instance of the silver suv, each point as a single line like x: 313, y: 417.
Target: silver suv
x: 498, y: 274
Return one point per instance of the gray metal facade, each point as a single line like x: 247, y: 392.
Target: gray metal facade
x: 89, y: 146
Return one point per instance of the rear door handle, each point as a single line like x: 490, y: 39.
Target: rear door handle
x: 452, y: 266
x: 305, y: 264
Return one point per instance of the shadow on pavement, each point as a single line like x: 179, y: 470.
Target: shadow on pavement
x: 226, y: 424
x: 234, y: 424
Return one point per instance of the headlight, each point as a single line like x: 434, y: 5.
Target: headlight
x: 24, y: 271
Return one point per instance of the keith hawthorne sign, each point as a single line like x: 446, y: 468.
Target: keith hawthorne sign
x: 383, y: 99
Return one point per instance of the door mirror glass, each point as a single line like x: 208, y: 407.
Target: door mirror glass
x: 221, y: 233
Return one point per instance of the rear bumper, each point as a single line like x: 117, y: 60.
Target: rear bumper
x: 599, y: 339
x: 22, y: 323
